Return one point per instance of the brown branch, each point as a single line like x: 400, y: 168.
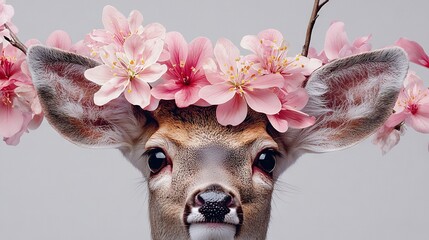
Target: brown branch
x: 314, y: 15
x: 14, y: 40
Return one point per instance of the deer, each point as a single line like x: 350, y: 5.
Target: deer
x: 207, y: 180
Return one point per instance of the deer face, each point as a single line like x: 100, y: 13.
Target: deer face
x: 208, y: 181
x: 205, y: 178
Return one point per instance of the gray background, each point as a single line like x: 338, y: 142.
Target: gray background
x: 51, y: 189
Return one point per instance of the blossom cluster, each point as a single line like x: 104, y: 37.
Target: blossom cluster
x: 19, y: 108
x: 147, y: 64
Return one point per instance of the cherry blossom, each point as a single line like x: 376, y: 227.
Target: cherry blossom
x: 236, y: 85
x: 118, y: 28
x: 337, y: 44
x: 185, y: 76
x: 19, y: 105
x: 130, y: 71
x: 270, y: 54
x: 6, y: 14
x: 290, y: 114
x: 412, y: 105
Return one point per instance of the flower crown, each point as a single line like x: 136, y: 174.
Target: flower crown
x: 146, y: 64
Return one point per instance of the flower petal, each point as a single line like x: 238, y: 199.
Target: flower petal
x: 415, y: 51
x: 386, y: 138
x: 187, y: 96
x: 226, y: 54
x: 99, y: 75
x: 268, y: 81
x: 152, y: 51
x: 177, y: 47
x: 211, y: 72
x: 59, y: 39
x: 11, y: 120
x: 297, y: 119
x: 138, y: 93
x: 133, y: 47
x: 200, y: 49
x: 109, y: 91
x: 420, y: 120
x: 152, y: 73
x: 278, y: 123
x: 271, y: 35
x: 135, y: 21
x: 113, y: 20
x: 166, y: 91
x: 297, y: 99
x: 263, y: 101
x: 251, y: 43
x: 232, y: 112
x: 335, y: 40
x: 217, y: 94
x: 153, y: 105
x: 153, y: 30
x: 396, y: 119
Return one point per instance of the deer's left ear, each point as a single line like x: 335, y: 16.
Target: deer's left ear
x: 350, y: 98
x: 67, y: 99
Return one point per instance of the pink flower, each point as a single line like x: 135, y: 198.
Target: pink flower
x: 19, y: 106
x: 117, y: 29
x: 415, y: 52
x: 270, y: 54
x: 337, y: 44
x: 387, y: 137
x: 236, y: 84
x: 61, y: 39
x: 412, y: 105
x: 289, y: 115
x: 6, y: 14
x: 130, y: 71
x: 185, y: 76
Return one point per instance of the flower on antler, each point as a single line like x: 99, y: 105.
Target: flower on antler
x: 130, y: 71
x: 185, y: 75
x: 236, y: 85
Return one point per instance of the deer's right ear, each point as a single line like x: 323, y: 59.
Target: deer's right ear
x: 350, y: 98
x: 67, y: 99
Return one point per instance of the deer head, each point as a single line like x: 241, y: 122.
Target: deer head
x: 205, y: 180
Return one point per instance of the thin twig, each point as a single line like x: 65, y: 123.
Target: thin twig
x: 315, y: 14
x: 14, y: 40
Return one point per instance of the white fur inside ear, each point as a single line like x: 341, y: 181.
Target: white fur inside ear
x: 351, y: 98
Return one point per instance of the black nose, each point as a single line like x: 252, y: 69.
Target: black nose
x: 214, y: 204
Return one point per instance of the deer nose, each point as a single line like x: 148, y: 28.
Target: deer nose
x: 214, y: 204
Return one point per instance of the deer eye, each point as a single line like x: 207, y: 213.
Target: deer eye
x: 266, y: 160
x: 157, y: 160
